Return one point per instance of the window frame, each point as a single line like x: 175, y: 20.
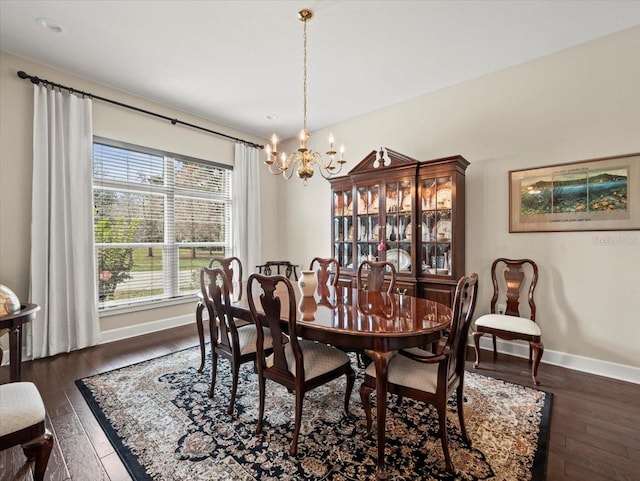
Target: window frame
x: 170, y: 246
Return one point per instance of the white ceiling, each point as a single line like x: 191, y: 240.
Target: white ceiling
x: 236, y: 62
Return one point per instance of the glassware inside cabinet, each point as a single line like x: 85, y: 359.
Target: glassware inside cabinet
x: 428, y: 192
x: 437, y: 258
x: 347, y: 222
x: 347, y: 255
x: 443, y: 193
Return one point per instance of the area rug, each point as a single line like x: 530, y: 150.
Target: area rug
x: 160, y: 420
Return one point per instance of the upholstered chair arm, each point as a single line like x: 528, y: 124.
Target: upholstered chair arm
x: 433, y: 359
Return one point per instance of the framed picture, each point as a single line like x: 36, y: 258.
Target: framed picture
x: 598, y: 194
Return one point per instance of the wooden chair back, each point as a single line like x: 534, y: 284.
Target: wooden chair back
x: 232, y: 267
x: 327, y: 267
x: 214, y: 285
x: 513, y: 285
x: 464, y: 304
x: 277, y: 296
x: 375, y: 275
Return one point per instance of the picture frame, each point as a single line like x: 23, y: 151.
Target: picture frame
x: 589, y: 195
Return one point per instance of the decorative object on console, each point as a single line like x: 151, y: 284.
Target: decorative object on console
x: 303, y: 157
x: 9, y: 302
x: 308, y: 283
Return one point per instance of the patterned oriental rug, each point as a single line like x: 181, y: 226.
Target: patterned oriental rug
x: 164, y: 427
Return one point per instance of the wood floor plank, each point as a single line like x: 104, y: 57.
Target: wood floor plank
x: 115, y: 468
x: 595, y: 421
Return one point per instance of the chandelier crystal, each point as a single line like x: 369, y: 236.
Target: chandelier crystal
x: 303, y: 159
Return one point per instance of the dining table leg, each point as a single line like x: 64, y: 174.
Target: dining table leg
x: 381, y: 360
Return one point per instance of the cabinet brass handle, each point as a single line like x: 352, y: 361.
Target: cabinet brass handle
x: 402, y: 292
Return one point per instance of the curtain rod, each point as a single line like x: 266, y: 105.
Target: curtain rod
x: 36, y: 80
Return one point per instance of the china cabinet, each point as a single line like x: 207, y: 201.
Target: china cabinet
x: 392, y: 207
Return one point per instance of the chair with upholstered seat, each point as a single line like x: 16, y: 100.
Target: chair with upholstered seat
x: 232, y: 267
x: 236, y: 343
x: 328, y: 270
x: 22, y: 421
x: 510, y: 324
x: 300, y: 365
x: 375, y: 275
x: 432, y: 378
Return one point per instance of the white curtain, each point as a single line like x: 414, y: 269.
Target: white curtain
x: 62, y: 277
x: 247, y: 238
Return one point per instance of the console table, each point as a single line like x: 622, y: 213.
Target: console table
x: 14, y: 323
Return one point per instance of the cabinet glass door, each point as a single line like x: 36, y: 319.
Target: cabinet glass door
x: 436, y: 228
x: 398, y: 229
x: 343, y: 228
x: 368, y: 224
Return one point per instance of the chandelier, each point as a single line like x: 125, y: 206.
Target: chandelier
x: 303, y: 159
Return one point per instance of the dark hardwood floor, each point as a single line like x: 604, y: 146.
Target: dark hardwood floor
x: 595, y: 421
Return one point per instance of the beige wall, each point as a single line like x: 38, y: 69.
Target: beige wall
x: 16, y: 113
x: 580, y: 103
x: 577, y: 104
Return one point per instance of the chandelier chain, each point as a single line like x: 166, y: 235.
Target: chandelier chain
x: 304, y: 90
x: 304, y: 159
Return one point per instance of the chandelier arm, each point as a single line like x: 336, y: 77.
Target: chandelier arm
x: 284, y: 173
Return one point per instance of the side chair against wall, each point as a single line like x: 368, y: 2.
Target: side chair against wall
x: 232, y: 267
x: 300, y: 365
x: 375, y: 275
x: 510, y: 324
x: 328, y: 270
x: 236, y: 343
x: 22, y: 416
x: 432, y: 378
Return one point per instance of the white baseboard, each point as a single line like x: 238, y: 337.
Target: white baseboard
x: 570, y: 361
x: 145, y: 328
x: 598, y: 367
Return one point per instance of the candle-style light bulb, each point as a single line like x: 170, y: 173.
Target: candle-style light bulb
x: 331, y: 140
x: 267, y: 149
x: 341, y: 152
x: 274, y: 141
x: 283, y: 158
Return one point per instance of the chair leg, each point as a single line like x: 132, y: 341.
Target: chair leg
x: 351, y: 379
x: 442, y: 418
x: 40, y: 450
x: 538, y: 349
x: 495, y: 348
x: 476, y: 346
x: 365, y: 397
x: 200, y: 327
x: 214, y: 371
x: 261, y: 382
x: 460, y: 406
x: 235, y: 371
x: 297, y: 422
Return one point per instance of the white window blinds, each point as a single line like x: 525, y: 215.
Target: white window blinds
x: 158, y: 218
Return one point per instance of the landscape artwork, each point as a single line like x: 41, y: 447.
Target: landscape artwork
x: 588, y: 195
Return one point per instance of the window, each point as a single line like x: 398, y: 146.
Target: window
x: 158, y: 218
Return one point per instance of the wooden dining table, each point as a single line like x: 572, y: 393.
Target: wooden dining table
x: 378, y: 323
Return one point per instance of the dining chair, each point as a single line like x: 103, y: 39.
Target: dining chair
x: 505, y: 320
x: 232, y: 267
x: 375, y: 275
x: 300, y: 365
x: 236, y: 343
x: 328, y: 270
x: 22, y: 421
x: 432, y: 378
